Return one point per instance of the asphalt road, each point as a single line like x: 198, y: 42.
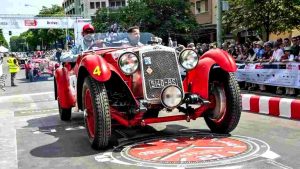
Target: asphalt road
x: 32, y: 136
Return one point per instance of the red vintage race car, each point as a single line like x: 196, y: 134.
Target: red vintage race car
x: 37, y: 67
x: 114, y: 82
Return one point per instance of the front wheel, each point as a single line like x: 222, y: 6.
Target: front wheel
x: 96, y: 113
x: 225, y: 98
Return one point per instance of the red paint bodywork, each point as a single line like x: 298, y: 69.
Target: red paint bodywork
x: 196, y: 81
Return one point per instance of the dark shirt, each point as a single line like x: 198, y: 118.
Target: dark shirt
x: 295, y: 50
x: 268, y: 54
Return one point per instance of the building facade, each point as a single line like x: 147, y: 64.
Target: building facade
x: 205, y: 13
x: 88, y: 8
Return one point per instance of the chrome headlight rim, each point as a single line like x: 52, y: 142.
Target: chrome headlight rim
x: 162, y: 100
x: 119, y: 63
x: 181, y: 62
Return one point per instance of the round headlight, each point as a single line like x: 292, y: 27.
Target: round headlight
x: 188, y: 59
x: 171, y: 96
x: 128, y: 63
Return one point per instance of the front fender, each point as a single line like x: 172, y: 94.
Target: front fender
x: 197, y: 80
x: 97, y: 67
x: 222, y: 58
x: 64, y: 93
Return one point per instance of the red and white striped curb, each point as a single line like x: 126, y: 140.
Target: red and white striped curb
x: 274, y: 106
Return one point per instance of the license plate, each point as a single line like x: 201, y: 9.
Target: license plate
x: 161, y: 83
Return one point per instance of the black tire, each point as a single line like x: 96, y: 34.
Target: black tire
x: 233, y: 108
x: 64, y: 114
x: 101, y: 114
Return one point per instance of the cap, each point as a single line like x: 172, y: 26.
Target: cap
x: 261, y: 43
x: 287, y: 48
x: 87, y: 27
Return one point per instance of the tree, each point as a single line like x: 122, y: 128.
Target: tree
x: 2, y: 40
x: 266, y: 16
x: 160, y: 17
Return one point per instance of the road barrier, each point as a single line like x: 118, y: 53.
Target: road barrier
x: 274, y: 106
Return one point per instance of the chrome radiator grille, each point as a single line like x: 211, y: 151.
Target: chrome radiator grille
x: 159, y: 69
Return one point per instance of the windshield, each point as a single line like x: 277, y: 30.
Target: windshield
x: 107, y: 40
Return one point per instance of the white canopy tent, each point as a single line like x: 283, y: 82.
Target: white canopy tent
x: 3, y: 49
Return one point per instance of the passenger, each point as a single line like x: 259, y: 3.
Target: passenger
x: 134, y: 37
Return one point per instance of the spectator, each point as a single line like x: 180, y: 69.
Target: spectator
x: 58, y: 55
x: 295, y: 47
x: 170, y: 42
x: 191, y: 45
x: 287, y: 57
x: 259, y: 51
x: 232, y: 51
x: 199, y: 49
x: 286, y: 42
x: 268, y: 52
x: 277, y: 54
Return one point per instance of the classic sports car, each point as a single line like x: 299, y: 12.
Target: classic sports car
x: 113, y: 82
x: 39, y: 67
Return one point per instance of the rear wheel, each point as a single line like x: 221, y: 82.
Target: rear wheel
x: 96, y: 113
x: 225, y: 111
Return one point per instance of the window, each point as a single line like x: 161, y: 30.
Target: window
x: 97, y: 5
x: 92, y: 5
x: 82, y: 9
x: 118, y: 3
x: 123, y: 3
x: 112, y: 4
x: 201, y: 6
x: 103, y: 4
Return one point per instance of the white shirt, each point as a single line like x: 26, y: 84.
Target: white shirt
x: 277, y: 55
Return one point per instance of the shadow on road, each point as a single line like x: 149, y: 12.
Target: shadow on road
x: 73, y: 141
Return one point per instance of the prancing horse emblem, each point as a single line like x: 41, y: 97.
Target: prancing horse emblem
x: 149, y: 70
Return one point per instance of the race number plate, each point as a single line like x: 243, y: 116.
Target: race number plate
x: 161, y: 83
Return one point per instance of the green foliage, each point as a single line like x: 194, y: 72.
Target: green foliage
x: 2, y: 40
x: 266, y: 16
x: 160, y: 17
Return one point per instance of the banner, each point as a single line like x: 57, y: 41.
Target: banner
x: 36, y: 22
x: 275, y: 74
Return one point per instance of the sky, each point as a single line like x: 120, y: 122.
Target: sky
x: 25, y: 7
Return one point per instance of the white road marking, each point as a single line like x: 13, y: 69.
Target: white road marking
x: 22, y: 95
x: 8, y: 140
x: 270, y: 155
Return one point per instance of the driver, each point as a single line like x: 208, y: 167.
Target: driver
x: 87, y: 29
x: 88, y: 40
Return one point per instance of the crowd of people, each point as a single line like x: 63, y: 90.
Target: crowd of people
x: 282, y: 50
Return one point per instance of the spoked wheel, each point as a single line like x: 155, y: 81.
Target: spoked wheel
x: 225, y: 108
x: 96, y: 113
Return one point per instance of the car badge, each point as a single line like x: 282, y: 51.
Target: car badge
x: 147, y: 61
x: 149, y: 70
